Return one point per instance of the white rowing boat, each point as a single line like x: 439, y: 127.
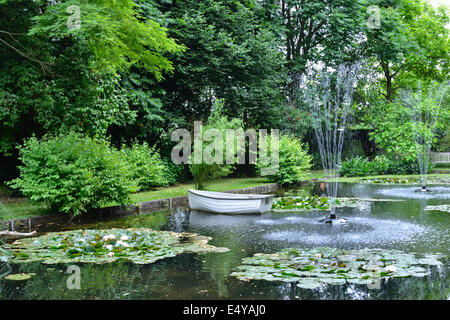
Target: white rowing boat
x: 229, y: 203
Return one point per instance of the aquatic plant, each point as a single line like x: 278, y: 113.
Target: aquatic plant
x: 139, y: 246
x: 314, y: 268
x: 308, y: 203
x: 20, y: 276
x: 392, y: 180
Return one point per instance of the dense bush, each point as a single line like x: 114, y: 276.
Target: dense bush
x: 147, y: 167
x: 356, y: 167
x: 73, y: 173
x: 443, y: 144
x: 294, y: 161
x: 316, y: 162
x: 359, y: 167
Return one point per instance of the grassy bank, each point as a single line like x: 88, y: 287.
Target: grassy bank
x: 22, y: 208
x: 217, y: 185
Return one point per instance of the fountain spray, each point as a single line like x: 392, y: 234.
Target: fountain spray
x: 329, y: 98
x: 425, y: 109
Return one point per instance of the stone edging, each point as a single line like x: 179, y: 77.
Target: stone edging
x: 36, y: 223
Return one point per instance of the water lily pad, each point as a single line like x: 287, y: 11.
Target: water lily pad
x: 309, y: 284
x: 19, y: 276
x: 139, y: 246
x: 430, y: 261
x: 317, y: 267
x: 310, y: 203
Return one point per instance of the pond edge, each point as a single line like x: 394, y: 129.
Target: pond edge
x: 54, y: 219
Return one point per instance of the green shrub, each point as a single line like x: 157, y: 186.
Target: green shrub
x: 174, y: 173
x: 381, y: 165
x: 294, y: 162
x: 400, y: 166
x: 72, y: 173
x: 147, y: 167
x: 355, y: 167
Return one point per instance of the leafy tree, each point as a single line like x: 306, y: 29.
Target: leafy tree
x: 116, y: 32
x: 396, y: 131
x: 411, y: 44
x: 316, y: 32
x: 204, y: 172
x: 54, y: 78
x: 231, y: 55
x: 393, y: 132
x: 319, y: 30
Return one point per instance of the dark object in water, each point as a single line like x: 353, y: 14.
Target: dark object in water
x: 333, y: 219
x: 423, y: 189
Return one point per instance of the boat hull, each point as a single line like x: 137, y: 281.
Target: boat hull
x: 223, y: 203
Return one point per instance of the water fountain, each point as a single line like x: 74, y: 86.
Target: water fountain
x: 425, y: 110
x: 329, y: 98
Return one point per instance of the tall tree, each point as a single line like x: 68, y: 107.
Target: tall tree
x: 57, y: 75
x: 411, y: 44
x: 231, y: 55
x: 316, y: 32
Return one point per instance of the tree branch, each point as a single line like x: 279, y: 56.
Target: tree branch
x: 42, y: 64
x: 12, y: 235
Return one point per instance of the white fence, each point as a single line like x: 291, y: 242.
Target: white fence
x: 440, y: 157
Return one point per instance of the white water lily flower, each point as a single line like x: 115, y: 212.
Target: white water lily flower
x: 110, y: 254
x: 391, y: 268
x: 108, y: 237
x: 109, y: 247
x: 124, y: 238
x: 123, y: 244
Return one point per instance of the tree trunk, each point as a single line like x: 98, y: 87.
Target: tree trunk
x: 388, y: 76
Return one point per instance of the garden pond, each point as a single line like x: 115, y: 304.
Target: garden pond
x: 267, y: 254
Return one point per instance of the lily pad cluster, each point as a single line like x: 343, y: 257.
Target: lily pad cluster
x: 392, y: 180
x: 139, y: 246
x: 20, y: 276
x: 306, y: 203
x: 311, y: 203
x: 314, y: 268
x: 404, y: 180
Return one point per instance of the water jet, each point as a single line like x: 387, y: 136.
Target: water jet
x: 329, y: 97
x: 425, y: 110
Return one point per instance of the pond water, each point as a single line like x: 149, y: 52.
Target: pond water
x: 403, y: 225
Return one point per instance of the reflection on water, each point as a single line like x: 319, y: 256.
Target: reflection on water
x: 401, y: 225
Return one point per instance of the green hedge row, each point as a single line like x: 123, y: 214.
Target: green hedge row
x: 380, y: 165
